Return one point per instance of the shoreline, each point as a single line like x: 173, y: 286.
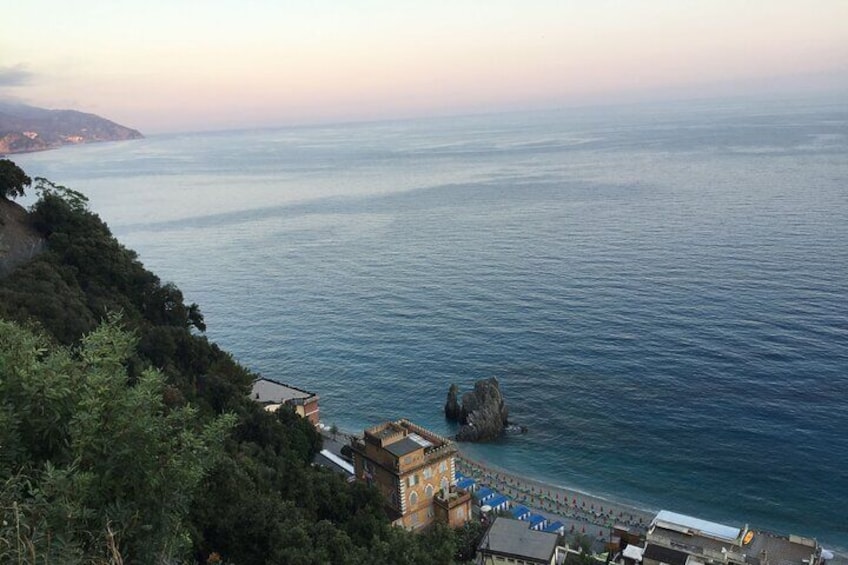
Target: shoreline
x: 581, y: 512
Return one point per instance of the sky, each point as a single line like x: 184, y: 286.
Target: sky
x: 191, y: 65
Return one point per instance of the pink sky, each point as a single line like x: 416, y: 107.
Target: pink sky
x: 193, y: 65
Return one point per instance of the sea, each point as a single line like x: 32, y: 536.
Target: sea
x: 661, y: 290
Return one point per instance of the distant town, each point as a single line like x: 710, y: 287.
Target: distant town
x: 424, y: 479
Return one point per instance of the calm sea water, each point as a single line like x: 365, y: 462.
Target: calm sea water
x: 662, y: 292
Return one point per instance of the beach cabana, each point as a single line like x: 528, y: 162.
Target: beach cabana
x: 458, y: 476
x: 537, y: 522
x: 483, y: 494
x: 467, y: 483
x: 520, y: 512
x: 498, y: 502
x: 555, y: 528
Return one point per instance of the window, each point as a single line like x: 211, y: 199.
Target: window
x: 412, y: 480
x: 428, y: 473
x: 443, y: 466
x: 428, y: 492
x: 413, y: 498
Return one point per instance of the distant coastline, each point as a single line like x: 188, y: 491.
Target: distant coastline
x: 28, y: 129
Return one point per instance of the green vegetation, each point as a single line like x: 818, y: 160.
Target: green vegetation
x: 127, y: 437
x: 78, y: 441
x: 13, y: 180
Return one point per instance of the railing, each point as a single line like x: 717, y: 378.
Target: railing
x: 423, y: 432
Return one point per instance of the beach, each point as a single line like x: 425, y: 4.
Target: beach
x: 580, y: 512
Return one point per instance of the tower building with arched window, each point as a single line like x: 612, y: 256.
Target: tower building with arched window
x: 415, y: 471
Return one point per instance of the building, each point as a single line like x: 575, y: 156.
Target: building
x: 414, y: 469
x: 513, y: 542
x: 334, y: 462
x: 677, y: 539
x: 272, y: 395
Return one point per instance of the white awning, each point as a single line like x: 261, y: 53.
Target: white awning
x: 337, y: 460
x: 633, y: 552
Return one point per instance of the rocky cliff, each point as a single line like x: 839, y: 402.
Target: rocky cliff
x: 27, y: 128
x: 483, y: 414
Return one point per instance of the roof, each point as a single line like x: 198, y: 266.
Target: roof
x: 386, y: 430
x: 496, y: 501
x: 536, y: 519
x: 465, y: 483
x: 688, y: 524
x: 665, y: 555
x: 265, y: 390
x: 633, y: 552
x: 403, y: 447
x: 782, y: 550
x: 554, y: 527
x: 512, y: 538
x: 520, y: 511
x: 327, y: 458
x: 484, y: 492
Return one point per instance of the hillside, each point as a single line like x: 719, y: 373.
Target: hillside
x: 128, y: 437
x: 19, y: 241
x: 27, y: 128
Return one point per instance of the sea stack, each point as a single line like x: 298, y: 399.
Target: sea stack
x: 483, y: 415
x: 452, y: 409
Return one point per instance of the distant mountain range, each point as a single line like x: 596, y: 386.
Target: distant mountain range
x: 27, y: 128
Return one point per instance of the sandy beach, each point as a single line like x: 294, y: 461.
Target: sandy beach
x: 580, y: 512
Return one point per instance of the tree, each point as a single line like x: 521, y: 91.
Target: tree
x: 467, y: 539
x: 13, y: 180
x: 90, y: 463
x: 76, y: 200
x: 584, y: 544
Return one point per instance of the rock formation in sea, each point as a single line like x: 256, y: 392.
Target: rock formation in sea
x: 483, y: 415
x: 452, y: 409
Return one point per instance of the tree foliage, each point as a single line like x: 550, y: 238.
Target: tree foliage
x: 13, y: 179
x: 89, y: 458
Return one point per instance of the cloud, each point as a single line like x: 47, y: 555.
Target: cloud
x: 16, y: 75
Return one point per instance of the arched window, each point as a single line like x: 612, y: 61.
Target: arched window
x: 413, y: 498
x: 428, y: 492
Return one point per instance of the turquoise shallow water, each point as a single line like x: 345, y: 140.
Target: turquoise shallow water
x: 661, y: 291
